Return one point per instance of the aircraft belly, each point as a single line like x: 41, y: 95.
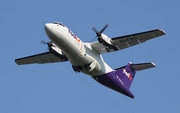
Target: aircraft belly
x: 98, y: 66
x: 85, y: 59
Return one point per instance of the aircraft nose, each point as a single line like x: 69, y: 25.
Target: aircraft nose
x: 48, y: 27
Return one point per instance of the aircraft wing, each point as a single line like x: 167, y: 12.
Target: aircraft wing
x: 123, y: 42
x: 42, y: 58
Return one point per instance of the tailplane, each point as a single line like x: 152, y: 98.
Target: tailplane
x: 127, y: 73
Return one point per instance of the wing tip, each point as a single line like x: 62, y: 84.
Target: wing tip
x: 153, y: 64
x: 16, y: 61
x: 162, y: 31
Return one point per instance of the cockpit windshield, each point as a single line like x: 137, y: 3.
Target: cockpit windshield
x: 58, y: 23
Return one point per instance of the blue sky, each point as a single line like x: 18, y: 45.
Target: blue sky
x: 52, y: 88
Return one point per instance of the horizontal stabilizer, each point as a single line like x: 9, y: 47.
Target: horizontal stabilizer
x: 142, y: 66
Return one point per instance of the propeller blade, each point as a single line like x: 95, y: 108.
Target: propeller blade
x: 48, y: 43
x: 98, y: 34
x: 104, y: 28
x: 94, y: 29
x: 43, y: 42
x: 93, y: 39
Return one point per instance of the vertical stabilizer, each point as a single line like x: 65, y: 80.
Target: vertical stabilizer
x: 126, y: 74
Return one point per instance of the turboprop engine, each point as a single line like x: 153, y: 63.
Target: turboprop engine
x: 104, y: 39
x: 55, y: 50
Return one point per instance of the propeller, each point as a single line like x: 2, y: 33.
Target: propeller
x: 98, y: 33
x: 50, y: 44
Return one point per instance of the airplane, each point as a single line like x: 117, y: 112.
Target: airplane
x: 87, y: 57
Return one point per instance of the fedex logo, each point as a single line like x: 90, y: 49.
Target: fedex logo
x: 127, y: 74
x: 72, y: 34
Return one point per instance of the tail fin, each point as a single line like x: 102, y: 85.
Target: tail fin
x: 127, y: 73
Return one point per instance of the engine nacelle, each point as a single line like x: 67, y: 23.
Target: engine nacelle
x: 104, y: 38
x: 57, y: 52
x: 106, y: 41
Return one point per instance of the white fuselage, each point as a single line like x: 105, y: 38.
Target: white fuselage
x: 80, y: 54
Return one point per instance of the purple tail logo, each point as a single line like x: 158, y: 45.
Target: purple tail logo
x: 127, y: 74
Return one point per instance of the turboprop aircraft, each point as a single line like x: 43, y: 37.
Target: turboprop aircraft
x: 87, y: 58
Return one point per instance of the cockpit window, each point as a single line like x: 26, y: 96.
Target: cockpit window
x: 59, y: 23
